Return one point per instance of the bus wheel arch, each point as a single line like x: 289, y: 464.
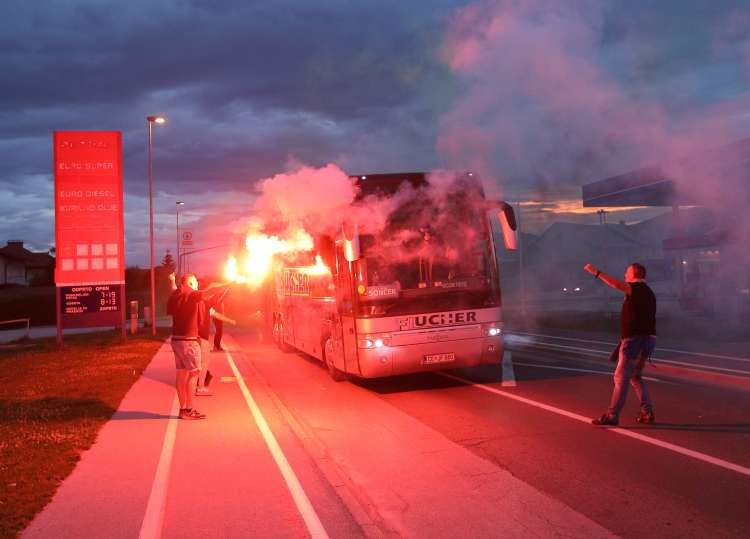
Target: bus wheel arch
x: 279, y: 330
x: 336, y: 374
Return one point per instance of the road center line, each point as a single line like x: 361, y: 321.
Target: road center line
x: 153, y: 519
x: 647, y: 439
x: 305, y: 508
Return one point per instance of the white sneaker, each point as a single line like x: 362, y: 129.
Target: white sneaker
x: 203, y: 392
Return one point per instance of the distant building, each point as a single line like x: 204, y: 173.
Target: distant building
x: 558, y: 256
x: 20, y: 266
x: 706, y: 249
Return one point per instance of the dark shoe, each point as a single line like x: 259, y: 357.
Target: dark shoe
x: 646, y: 417
x: 605, y: 420
x: 191, y: 414
x: 217, y: 349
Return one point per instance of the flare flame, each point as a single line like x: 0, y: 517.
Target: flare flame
x: 255, y: 264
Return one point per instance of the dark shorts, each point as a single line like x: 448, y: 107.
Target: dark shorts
x: 187, y: 355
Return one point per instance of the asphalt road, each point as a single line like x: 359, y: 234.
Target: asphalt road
x: 469, y: 453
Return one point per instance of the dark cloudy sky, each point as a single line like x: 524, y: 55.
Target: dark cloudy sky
x: 251, y: 88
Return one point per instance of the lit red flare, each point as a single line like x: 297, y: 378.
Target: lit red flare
x: 254, y: 264
x: 318, y: 269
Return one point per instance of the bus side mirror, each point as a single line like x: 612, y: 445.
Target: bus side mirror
x: 508, y: 225
x: 351, y: 242
x: 327, y: 252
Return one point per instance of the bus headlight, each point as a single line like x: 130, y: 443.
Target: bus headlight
x: 492, y: 331
x: 375, y: 341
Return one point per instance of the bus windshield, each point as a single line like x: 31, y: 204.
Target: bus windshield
x: 429, y: 258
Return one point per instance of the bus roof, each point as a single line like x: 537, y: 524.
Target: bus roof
x: 386, y: 184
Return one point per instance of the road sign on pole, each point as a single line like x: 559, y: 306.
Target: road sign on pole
x: 186, y: 238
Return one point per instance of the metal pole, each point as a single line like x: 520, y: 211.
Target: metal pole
x: 151, y: 232
x: 520, y: 264
x: 58, y: 315
x: 123, y: 305
x: 178, y: 239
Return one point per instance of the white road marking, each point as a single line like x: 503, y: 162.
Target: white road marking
x: 705, y: 368
x: 604, y: 353
x: 608, y: 373
x: 153, y: 519
x: 228, y: 379
x: 509, y: 376
x: 590, y: 351
x: 700, y: 354
x: 647, y: 439
x: 305, y: 508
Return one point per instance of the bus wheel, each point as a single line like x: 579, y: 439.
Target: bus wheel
x: 336, y: 374
x: 283, y: 346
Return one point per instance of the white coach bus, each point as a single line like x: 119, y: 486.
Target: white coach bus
x: 422, y: 295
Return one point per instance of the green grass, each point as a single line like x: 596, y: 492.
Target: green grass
x: 52, y: 405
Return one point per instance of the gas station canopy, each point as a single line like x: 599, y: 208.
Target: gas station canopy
x: 644, y: 187
x: 653, y: 186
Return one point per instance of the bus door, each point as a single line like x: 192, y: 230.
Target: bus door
x: 344, y: 301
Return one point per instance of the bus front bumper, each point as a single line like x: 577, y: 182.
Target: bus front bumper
x: 405, y: 359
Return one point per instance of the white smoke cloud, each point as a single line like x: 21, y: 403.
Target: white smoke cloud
x: 539, y: 107
x: 308, y: 197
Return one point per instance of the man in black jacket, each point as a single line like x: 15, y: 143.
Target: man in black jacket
x: 638, y: 339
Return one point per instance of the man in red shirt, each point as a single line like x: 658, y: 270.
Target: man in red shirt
x: 184, y: 304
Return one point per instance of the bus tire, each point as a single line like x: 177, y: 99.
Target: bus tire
x: 336, y: 374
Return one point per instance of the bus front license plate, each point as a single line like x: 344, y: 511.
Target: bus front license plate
x: 438, y: 358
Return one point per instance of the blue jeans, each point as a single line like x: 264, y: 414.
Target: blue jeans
x: 633, y: 354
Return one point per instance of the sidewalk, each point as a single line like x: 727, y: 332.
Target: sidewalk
x: 221, y: 481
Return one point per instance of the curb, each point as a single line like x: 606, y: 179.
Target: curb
x: 741, y: 382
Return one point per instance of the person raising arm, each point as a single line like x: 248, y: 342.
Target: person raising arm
x: 610, y: 280
x: 637, y: 341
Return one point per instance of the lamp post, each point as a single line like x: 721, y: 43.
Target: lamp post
x: 151, y: 120
x: 177, y: 211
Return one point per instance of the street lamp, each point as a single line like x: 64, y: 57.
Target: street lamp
x: 151, y: 120
x: 177, y: 211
